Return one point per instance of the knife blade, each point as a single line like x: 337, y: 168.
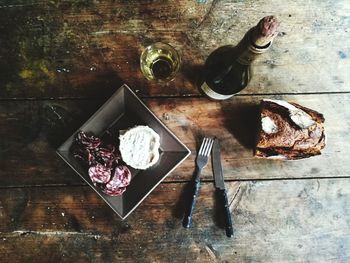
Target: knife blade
x: 220, y: 186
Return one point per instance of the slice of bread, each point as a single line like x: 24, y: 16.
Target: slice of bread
x: 289, y: 131
x: 139, y: 147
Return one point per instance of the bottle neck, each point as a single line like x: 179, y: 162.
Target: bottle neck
x: 249, y: 50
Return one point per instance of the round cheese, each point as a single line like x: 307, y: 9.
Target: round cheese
x: 139, y: 147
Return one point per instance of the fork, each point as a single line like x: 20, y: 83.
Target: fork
x: 201, y: 162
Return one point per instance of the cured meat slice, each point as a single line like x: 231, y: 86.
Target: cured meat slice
x: 114, y: 192
x: 90, y: 142
x: 81, y: 153
x: 108, y: 156
x: 99, y: 174
x: 121, y: 178
x: 105, y: 169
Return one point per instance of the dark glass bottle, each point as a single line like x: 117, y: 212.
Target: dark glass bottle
x: 227, y: 70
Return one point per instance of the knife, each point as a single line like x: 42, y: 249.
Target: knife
x: 220, y: 186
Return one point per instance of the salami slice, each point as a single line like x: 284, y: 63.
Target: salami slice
x: 107, y: 156
x: 90, y: 142
x: 99, y: 174
x: 105, y: 169
x: 91, y: 158
x: 81, y: 154
x: 114, y: 192
x: 121, y: 178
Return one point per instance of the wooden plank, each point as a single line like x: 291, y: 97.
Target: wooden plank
x: 92, y: 67
x: 115, y: 16
x: 301, y: 58
x: 274, y: 221
x: 71, y: 50
x: 235, y: 123
x: 32, y: 131
x: 84, y: 48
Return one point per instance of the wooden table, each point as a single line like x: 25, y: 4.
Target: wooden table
x: 61, y: 60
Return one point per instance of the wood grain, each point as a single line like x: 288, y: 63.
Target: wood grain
x: 32, y: 131
x: 309, y: 55
x: 60, y: 60
x: 235, y: 123
x: 274, y: 221
x: 80, y: 49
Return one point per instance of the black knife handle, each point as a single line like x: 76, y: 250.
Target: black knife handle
x: 188, y: 216
x: 228, y: 220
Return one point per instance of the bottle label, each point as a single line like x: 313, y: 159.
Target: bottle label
x: 212, y: 94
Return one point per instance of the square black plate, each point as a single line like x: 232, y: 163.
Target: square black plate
x: 122, y: 111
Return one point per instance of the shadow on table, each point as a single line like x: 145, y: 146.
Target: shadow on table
x: 59, y: 119
x: 183, y: 205
x: 243, y: 121
x: 100, y: 85
x: 194, y: 73
x: 184, y: 202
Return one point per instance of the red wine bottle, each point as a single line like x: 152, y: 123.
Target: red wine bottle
x: 227, y: 70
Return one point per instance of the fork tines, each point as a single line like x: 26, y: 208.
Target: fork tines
x: 206, y: 147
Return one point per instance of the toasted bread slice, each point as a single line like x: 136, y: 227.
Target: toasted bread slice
x: 289, y: 131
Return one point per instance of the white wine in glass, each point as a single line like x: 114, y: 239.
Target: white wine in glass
x: 160, y: 62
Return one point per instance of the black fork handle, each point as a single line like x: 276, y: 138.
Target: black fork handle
x: 187, y: 222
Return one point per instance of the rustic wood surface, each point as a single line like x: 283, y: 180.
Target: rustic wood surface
x: 279, y: 221
x: 61, y: 60
x: 35, y: 128
x: 89, y: 46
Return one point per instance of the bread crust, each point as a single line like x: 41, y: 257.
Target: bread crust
x: 291, y: 140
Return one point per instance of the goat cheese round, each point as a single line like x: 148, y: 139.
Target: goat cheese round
x: 139, y: 147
